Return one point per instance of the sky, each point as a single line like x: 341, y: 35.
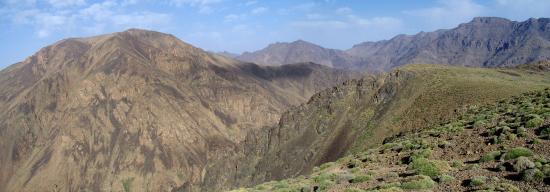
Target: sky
x: 242, y: 25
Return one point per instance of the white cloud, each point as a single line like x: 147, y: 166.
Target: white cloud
x: 320, y: 24
x: 377, y: 23
x: 66, y: 3
x: 204, y: 6
x: 12, y: 3
x: 95, y: 18
x: 344, y: 10
x: 314, y: 16
x: 249, y: 3
x: 234, y: 17
x: 521, y: 10
x: 141, y: 19
x: 259, y: 10
x: 448, y: 13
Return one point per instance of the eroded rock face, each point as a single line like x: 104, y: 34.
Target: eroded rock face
x: 138, y: 110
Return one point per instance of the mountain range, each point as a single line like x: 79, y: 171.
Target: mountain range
x: 140, y: 110
x: 482, y: 42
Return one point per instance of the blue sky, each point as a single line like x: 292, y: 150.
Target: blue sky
x: 242, y: 25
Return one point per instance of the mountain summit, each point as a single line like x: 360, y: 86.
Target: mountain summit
x: 297, y: 52
x: 137, y: 109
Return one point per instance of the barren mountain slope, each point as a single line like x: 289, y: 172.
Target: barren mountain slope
x: 136, y: 110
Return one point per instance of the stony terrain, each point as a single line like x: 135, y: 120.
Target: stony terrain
x: 503, y: 146
x: 136, y: 110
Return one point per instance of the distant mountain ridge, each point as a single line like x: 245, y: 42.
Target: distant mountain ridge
x: 483, y: 42
x: 297, y: 52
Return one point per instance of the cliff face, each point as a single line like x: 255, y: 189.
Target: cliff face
x: 136, y: 110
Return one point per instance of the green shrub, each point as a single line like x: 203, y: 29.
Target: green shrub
x: 344, y: 178
x: 523, y: 163
x: 352, y: 163
x: 419, y: 182
x: 534, y: 122
x: 389, y: 185
x: 473, y: 166
x: 479, y: 124
x: 521, y: 131
x: 532, y: 175
x: 361, y: 178
x: 325, y: 184
x: 127, y: 183
x: 422, y: 153
x: 501, y: 167
x: 326, y: 165
x: 457, y: 164
x: 545, y: 132
x: 517, y: 152
x: 353, y: 190
x: 424, y: 166
x: 491, y: 156
x: 324, y: 177
x: 501, y: 187
x: 495, y: 140
x: 477, y: 181
x: 546, y: 170
x: 445, y: 178
x: 355, y: 170
x: 280, y: 185
x: 392, y: 175
x: 392, y: 189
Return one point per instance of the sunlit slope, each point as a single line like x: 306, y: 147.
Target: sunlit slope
x: 361, y: 113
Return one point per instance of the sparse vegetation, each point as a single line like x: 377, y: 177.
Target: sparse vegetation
x: 517, y: 152
x: 491, y: 156
x: 534, y: 122
x: 424, y: 166
x: 532, y: 175
x: 418, y: 182
x: 477, y: 181
x: 523, y: 163
x: 127, y: 184
x: 445, y: 178
x: 424, y: 154
x: 361, y: 178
